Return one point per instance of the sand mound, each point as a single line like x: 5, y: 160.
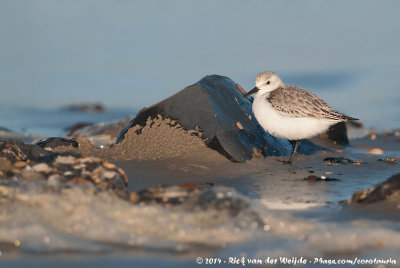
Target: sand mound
x: 161, y: 138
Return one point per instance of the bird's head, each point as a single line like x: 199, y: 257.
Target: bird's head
x: 266, y: 82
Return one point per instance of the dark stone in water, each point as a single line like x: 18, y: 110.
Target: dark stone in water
x: 86, y: 108
x: 380, y: 192
x: 338, y: 160
x: 54, y: 142
x: 225, y: 117
x: 315, y: 178
x: 5, y: 130
x: 390, y: 160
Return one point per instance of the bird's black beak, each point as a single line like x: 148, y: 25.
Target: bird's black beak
x: 254, y: 90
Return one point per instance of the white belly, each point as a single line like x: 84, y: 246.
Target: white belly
x: 287, y: 127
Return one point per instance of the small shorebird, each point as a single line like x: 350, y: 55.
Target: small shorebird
x: 290, y: 112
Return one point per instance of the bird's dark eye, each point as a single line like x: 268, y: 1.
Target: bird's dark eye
x: 268, y: 82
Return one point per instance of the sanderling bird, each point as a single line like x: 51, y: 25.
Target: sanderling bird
x: 290, y: 112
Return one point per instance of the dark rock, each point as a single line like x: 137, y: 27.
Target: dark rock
x: 322, y: 178
x: 86, y: 107
x: 380, y: 192
x: 338, y: 160
x: 20, y: 151
x: 312, y: 178
x: 390, y: 160
x: 220, y: 200
x: 172, y: 195
x: 225, y: 117
x: 54, y: 142
x: 338, y: 133
x: 194, y: 198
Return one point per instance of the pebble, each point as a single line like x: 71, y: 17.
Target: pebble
x: 19, y: 164
x: 30, y: 175
x: 338, y: 160
x: 80, y: 180
x: 257, y: 153
x: 322, y: 178
x: 134, y: 197
x: 42, y: 167
x: 66, y: 160
x: 4, y: 191
x: 5, y: 164
x: 372, y: 135
x: 312, y: 178
x: 109, y: 165
x: 68, y: 173
x: 109, y: 174
x: 376, y: 151
x: 54, y: 180
x: 90, y: 159
x: 389, y: 160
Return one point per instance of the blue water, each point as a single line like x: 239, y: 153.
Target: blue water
x: 130, y: 54
x: 53, y: 122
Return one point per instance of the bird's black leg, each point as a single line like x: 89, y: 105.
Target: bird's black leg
x: 294, y: 151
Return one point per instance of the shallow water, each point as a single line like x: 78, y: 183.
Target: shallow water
x: 52, y: 122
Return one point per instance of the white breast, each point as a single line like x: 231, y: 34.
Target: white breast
x: 286, y: 127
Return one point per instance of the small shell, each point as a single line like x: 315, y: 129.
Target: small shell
x: 134, y: 197
x: 257, y: 153
x: 109, y: 174
x: 376, y: 151
x: 239, y: 125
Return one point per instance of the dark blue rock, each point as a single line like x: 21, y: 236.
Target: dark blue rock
x: 53, y: 142
x: 218, y: 108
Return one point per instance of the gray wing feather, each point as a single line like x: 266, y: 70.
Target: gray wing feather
x: 296, y: 102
